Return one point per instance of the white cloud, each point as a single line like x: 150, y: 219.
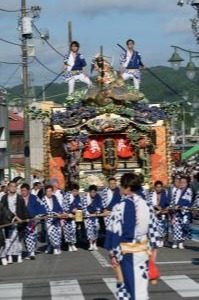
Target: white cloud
x: 178, y: 25
x: 103, y: 6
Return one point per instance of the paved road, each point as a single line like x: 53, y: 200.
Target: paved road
x: 88, y: 276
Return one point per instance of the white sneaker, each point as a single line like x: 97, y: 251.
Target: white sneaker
x: 161, y: 244
x: 95, y: 247
x: 19, y: 259
x: 74, y: 248
x: 90, y: 248
x: 10, y: 259
x: 56, y: 252
x: 4, y: 261
x: 174, y: 246
x: 181, y: 246
x: 70, y: 249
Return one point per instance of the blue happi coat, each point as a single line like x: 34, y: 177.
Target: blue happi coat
x: 69, y: 206
x: 70, y: 203
x: 161, y: 219
x: 79, y: 64
x: 53, y: 224
x: 34, y: 208
x: 116, y: 198
x: 135, y: 61
x: 164, y: 199
x: 91, y: 206
x: 181, y: 220
x: 131, y: 222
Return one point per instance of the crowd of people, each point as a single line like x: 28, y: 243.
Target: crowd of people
x: 132, y: 217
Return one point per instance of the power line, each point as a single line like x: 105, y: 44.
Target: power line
x: 48, y: 42
x: 45, y: 66
x: 9, y: 42
x: 12, y: 75
x: 10, y: 63
x: 165, y: 84
x: 57, y: 95
x: 158, y: 78
x: 9, y: 91
x: 49, y: 84
x: 7, y: 10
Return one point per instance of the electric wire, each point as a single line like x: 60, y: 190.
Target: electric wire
x: 52, y: 47
x: 10, y: 63
x: 45, y: 66
x: 10, y: 91
x: 9, y: 42
x: 158, y: 78
x: 10, y: 11
x: 49, y: 84
x: 11, y: 76
x: 57, y: 95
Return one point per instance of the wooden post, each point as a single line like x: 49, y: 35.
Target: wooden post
x: 102, y: 66
x: 69, y: 33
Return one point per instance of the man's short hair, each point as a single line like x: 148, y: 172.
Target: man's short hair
x: 92, y: 187
x: 112, y: 179
x: 36, y: 184
x: 77, y: 44
x: 25, y: 186
x: 48, y: 186
x: 130, y: 40
x: 130, y: 180
x: 75, y: 186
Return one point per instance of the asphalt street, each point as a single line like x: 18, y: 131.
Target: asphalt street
x: 85, y: 275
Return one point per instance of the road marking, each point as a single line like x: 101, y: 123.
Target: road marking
x: 66, y: 290
x: 174, y: 262
x: 183, y: 285
x: 11, y: 291
x: 111, y: 284
x: 101, y: 259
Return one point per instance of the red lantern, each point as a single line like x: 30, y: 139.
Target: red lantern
x: 124, y: 149
x: 92, y: 150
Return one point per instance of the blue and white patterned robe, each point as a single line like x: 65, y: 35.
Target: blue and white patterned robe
x: 53, y: 224
x: 110, y: 199
x: 91, y: 205
x: 35, y: 208
x: 131, y: 221
x: 161, y: 220
x: 134, y: 62
x: 181, y: 221
x: 78, y: 66
x: 70, y: 204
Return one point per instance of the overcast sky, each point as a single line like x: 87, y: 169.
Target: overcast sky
x: 153, y: 24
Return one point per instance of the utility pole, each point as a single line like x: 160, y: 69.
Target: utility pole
x: 25, y: 94
x: 69, y: 34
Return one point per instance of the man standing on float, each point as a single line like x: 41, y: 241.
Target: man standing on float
x: 74, y: 66
x: 130, y: 64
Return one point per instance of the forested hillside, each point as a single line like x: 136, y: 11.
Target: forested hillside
x: 154, y: 90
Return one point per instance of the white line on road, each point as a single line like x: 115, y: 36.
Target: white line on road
x: 11, y: 291
x: 174, y: 262
x: 111, y: 284
x: 183, y: 285
x: 101, y: 259
x: 66, y: 290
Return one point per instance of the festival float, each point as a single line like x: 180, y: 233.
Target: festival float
x: 107, y: 130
